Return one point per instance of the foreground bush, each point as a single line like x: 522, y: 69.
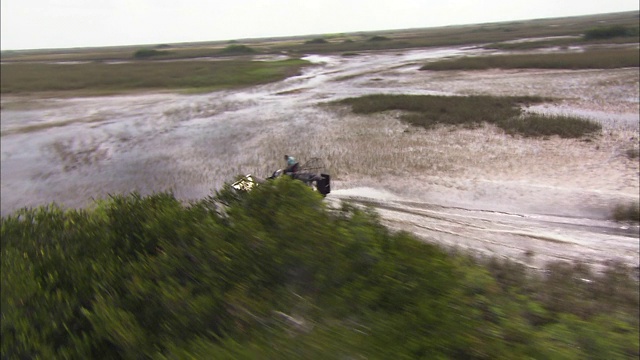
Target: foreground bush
x: 275, y: 274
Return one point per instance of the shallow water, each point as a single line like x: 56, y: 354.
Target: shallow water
x: 71, y: 151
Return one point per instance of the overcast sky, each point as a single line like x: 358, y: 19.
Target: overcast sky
x: 31, y: 24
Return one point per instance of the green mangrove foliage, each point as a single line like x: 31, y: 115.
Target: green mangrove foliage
x: 471, y: 111
x: 274, y: 273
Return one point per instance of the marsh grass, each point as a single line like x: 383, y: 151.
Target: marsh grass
x: 592, y: 59
x: 472, y: 111
x: 148, y: 53
x: 530, y: 45
x: 96, y: 77
x: 562, y: 43
x: 609, y: 32
x: 456, y: 109
x: 536, y: 125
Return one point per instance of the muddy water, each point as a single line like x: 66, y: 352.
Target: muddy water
x: 70, y: 151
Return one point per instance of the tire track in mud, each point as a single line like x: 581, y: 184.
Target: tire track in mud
x: 530, y: 239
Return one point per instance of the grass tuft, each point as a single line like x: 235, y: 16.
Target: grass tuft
x: 633, y: 153
x: 627, y: 212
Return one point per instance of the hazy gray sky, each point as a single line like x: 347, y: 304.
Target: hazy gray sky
x: 29, y: 24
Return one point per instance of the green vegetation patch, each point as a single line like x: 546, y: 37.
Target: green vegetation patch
x: 592, y: 59
x: 316, y: 41
x: 471, y: 111
x: 536, y: 125
x: 378, y: 38
x: 275, y: 274
x: 102, y: 77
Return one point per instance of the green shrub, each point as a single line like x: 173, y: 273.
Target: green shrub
x: 238, y: 50
x: 135, y: 273
x: 147, y: 53
x: 316, y: 41
x: 626, y: 212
